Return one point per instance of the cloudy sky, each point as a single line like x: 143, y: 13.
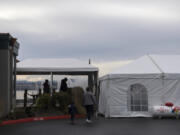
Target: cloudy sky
x: 107, y: 31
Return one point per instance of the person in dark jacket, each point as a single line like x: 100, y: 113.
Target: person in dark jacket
x: 46, y: 87
x: 72, y: 111
x: 64, y: 86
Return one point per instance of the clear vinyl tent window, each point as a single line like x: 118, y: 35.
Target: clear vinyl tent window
x: 137, y: 98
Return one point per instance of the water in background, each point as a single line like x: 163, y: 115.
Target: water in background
x: 34, y: 86
x: 20, y: 94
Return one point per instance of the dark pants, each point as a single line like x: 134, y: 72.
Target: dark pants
x: 89, y: 111
x: 72, y: 117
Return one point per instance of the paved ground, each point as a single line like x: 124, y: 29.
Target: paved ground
x: 125, y: 126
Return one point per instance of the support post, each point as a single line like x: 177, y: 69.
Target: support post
x: 90, y: 81
x: 51, y: 83
x: 96, y: 84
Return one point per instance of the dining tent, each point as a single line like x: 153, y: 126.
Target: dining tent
x: 135, y: 88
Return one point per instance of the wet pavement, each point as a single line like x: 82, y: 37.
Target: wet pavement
x: 122, y: 126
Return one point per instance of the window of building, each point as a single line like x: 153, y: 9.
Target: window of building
x: 137, y: 98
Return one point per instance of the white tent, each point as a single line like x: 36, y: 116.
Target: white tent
x: 132, y: 90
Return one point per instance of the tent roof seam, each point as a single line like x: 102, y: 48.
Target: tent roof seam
x: 154, y: 62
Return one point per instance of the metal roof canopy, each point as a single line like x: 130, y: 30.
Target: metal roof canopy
x: 56, y: 71
x: 56, y: 66
x: 59, y: 67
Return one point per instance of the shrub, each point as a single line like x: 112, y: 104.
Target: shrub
x: 63, y: 99
x: 17, y: 113
x: 43, y: 102
x: 0, y: 121
x: 73, y: 94
x: 30, y: 111
x: 77, y: 96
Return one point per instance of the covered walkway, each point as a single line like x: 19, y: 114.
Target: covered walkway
x: 59, y: 67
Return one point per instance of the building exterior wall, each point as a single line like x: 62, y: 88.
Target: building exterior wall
x: 4, y: 83
x: 8, y: 52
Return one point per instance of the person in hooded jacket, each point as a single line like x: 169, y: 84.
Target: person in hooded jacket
x: 89, y: 102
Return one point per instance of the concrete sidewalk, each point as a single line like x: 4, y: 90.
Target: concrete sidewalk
x: 125, y: 126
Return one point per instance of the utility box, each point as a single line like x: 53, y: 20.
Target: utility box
x: 8, y: 52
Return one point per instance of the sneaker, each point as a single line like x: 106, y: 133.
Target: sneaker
x: 88, y: 121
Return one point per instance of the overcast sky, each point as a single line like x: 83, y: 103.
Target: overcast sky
x: 103, y: 30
